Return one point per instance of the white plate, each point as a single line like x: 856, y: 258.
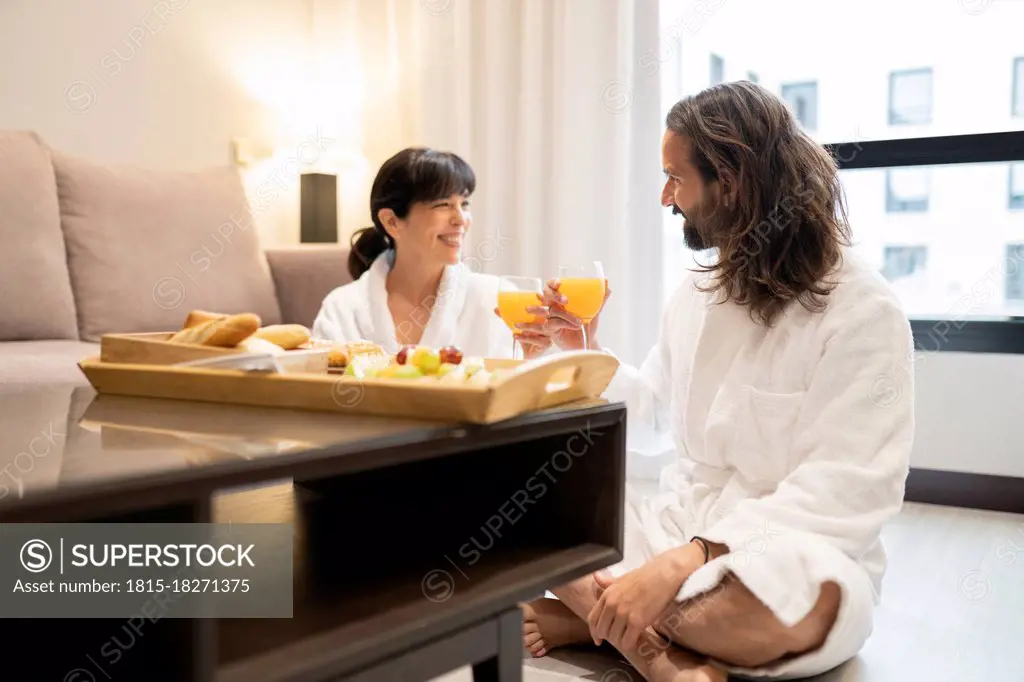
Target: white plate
x: 289, y: 362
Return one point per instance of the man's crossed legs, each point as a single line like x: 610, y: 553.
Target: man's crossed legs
x: 728, y: 624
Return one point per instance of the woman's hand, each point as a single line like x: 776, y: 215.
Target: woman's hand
x: 533, y: 337
x: 564, y: 328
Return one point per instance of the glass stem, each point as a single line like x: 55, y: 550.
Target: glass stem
x: 583, y: 331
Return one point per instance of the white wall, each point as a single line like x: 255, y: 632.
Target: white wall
x: 969, y: 413
x: 170, y: 83
x: 159, y: 83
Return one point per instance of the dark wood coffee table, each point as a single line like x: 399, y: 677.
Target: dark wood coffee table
x: 414, y: 541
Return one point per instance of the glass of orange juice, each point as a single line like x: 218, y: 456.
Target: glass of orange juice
x: 584, y: 286
x: 515, y: 295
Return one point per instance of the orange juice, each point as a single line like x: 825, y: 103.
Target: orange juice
x: 585, y: 294
x: 512, y: 306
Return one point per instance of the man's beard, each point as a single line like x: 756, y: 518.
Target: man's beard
x: 693, y: 235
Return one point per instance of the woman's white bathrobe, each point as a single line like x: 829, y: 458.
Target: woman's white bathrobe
x: 793, y: 448
x: 461, y: 314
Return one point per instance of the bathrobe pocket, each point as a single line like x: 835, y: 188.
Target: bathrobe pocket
x: 765, y: 428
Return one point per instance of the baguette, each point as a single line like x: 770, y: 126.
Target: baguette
x: 226, y: 332
x: 198, y: 317
x: 287, y: 336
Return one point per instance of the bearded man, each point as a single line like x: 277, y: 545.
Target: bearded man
x: 783, y: 375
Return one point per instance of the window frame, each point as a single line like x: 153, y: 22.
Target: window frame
x: 1004, y: 334
x: 892, y: 88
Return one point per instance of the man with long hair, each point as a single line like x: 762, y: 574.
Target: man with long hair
x: 783, y: 375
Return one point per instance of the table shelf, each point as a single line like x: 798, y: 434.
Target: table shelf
x: 336, y: 634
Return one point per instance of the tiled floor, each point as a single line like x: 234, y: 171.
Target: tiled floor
x: 952, y: 608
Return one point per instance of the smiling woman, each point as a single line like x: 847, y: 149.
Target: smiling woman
x: 411, y: 285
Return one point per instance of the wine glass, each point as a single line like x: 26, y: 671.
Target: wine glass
x: 583, y: 284
x: 515, y: 295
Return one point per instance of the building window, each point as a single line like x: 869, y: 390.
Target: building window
x: 906, y: 190
x: 1014, y: 277
x: 717, y: 74
x: 1018, y: 86
x: 1017, y: 185
x: 904, y: 261
x: 803, y: 100
x: 752, y: 77
x: 910, y: 96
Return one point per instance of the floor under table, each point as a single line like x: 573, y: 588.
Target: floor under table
x: 952, y: 608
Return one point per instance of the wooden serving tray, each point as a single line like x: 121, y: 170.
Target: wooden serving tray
x: 154, y: 349
x: 535, y: 385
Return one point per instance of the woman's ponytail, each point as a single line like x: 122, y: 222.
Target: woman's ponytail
x: 367, y: 244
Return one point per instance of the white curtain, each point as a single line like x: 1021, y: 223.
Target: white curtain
x: 549, y: 102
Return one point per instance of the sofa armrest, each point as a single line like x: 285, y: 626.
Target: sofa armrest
x: 304, y: 275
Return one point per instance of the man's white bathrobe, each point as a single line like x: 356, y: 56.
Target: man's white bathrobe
x: 793, y: 448
x: 461, y: 314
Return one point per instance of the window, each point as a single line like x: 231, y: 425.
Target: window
x: 1015, y: 274
x: 910, y: 96
x: 906, y: 190
x: 904, y: 261
x: 717, y: 68
x: 962, y: 213
x: 803, y: 100
x: 1017, y: 185
x: 1018, y: 86
x: 752, y: 77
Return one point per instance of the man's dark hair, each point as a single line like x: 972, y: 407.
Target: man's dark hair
x: 779, y: 240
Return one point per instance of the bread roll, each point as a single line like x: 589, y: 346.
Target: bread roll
x: 225, y: 332
x: 287, y: 336
x: 257, y: 345
x: 198, y: 317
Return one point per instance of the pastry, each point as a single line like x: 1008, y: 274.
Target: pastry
x: 198, y: 317
x: 287, y: 336
x: 364, y: 348
x: 341, y: 354
x: 337, y: 357
x: 225, y: 332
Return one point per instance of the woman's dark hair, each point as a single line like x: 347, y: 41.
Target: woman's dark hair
x: 411, y: 175
x: 785, y: 233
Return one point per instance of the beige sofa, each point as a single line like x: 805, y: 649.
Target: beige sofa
x: 88, y: 249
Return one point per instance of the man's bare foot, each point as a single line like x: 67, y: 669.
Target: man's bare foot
x: 678, y: 665
x: 549, y: 624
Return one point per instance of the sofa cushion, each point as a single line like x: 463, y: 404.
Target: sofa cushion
x: 304, y: 275
x: 41, y: 362
x: 146, y: 246
x: 35, y: 290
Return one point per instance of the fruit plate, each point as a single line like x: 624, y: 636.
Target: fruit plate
x: 532, y: 385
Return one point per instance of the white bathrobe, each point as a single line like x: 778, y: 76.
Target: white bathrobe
x: 461, y: 314
x: 793, y: 448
